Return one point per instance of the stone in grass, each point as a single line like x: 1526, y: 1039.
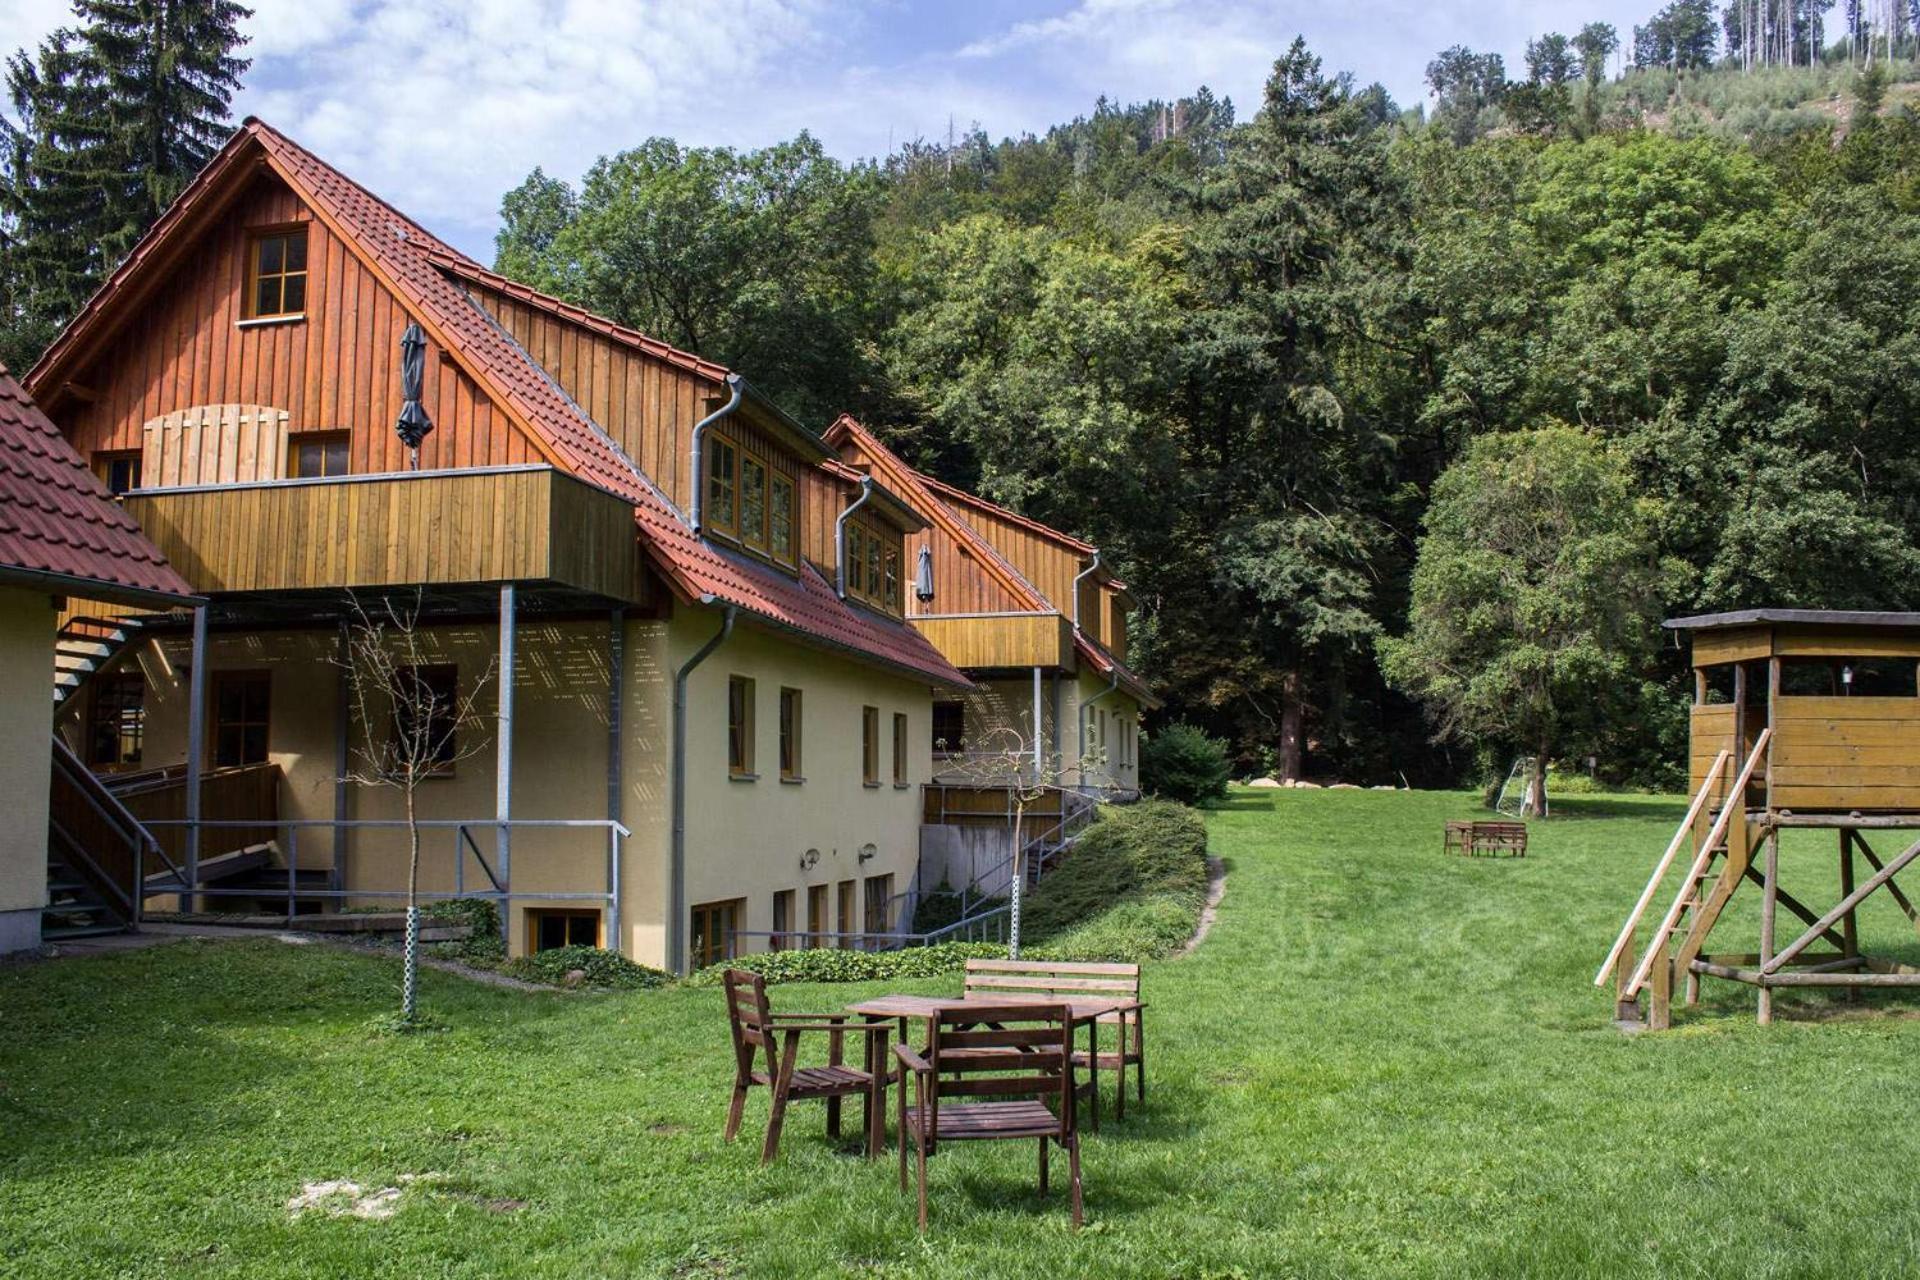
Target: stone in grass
x: 573, y: 978
x: 341, y: 1198
x: 1266, y: 782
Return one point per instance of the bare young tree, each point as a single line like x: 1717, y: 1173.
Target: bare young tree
x: 411, y: 726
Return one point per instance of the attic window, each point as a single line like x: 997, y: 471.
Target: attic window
x: 277, y: 274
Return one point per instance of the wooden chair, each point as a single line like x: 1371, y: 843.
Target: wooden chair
x: 1031, y: 1064
x: 756, y: 1027
x: 1064, y: 980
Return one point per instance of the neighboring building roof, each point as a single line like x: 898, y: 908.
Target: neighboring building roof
x: 58, y: 527
x: 419, y: 269
x: 930, y: 496
x: 1798, y: 617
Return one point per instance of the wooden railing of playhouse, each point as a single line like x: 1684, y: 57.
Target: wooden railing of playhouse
x: 1732, y: 811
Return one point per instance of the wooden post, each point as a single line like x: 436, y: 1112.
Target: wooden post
x: 1660, y: 1005
x: 1849, y: 925
x: 1626, y: 1007
x: 1769, y: 900
x: 503, y: 767
x: 196, y: 750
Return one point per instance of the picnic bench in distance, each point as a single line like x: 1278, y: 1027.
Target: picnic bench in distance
x: 1474, y: 839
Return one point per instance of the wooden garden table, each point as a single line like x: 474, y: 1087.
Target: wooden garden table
x: 1083, y: 1011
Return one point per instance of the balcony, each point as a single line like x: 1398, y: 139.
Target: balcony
x: 502, y: 524
x: 996, y: 641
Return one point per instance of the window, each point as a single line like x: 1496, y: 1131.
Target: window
x: 740, y: 727
x: 899, y: 750
x: 817, y: 915
x: 117, y: 719
x: 780, y: 519
x: 714, y: 924
x: 435, y: 692
x: 879, y: 899
x: 548, y: 929
x: 783, y: 936
x: 240, y: 707
x: 319, y: 453
x: 870, y: 746
x: 723, y: 461
x: 753, y: 502
x: 279, y: 274
x: 790, y: 735
x: 873, y: 564
x: 846, y: 913
x: 118, y: 469
x: 949, y: 728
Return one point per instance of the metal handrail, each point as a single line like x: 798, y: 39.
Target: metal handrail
x: 803, y: 938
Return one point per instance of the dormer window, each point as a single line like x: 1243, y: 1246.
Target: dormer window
x: 873, y: 564
x: 751, y: 500
x: 277, y: 274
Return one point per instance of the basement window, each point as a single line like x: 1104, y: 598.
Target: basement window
x: 549, y: 929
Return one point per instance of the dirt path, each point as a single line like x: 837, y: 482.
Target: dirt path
x: 1216, y: 890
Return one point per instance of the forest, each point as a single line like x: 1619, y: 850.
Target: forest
x: 1407, y: 426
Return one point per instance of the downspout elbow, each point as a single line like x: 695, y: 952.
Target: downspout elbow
x: 840, y: 536
x: 736, y: 388
x: 1092, y: 567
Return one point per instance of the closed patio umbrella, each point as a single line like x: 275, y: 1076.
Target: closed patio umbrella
x: 923, y: 576
x: 414, y: 424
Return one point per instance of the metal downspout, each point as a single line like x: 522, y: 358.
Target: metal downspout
x: 736, y: 386
x: 840, y: 537
x: 1093, y: 565
x: 677, y: 857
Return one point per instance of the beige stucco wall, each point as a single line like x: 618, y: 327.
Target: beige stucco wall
x: 999, y: 720
x: 747, y: 839
x: 26, y: 699
x: 744, y: 839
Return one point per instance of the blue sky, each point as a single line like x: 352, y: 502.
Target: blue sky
x: 442, y: 105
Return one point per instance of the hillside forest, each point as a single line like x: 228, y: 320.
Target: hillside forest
x: 1407, y: 426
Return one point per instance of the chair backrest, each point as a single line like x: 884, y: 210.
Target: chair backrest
x: 1069, y: 980
x: 1030, y: 1050
x: 750, y: 1018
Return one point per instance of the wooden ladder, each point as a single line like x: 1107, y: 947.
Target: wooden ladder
x: 1689, y: 899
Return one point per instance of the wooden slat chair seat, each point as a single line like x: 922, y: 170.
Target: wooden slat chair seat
x: 1012, y: 1066
x: 987, y: 979
x: 756, y: 1028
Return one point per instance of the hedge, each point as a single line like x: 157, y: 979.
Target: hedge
x: 825, y: 964
x: 598, y: 967
x: 1135, y: 881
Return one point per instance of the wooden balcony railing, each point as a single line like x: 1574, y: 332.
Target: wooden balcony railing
x: 989, y: 641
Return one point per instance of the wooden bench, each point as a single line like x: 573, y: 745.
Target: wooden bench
x: 1486, y: 839
x: 1069, y: 980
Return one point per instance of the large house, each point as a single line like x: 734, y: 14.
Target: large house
x: 702, y: 714
x: 59, y: 534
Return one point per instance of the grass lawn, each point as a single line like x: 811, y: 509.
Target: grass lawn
x: 1382, y: 1061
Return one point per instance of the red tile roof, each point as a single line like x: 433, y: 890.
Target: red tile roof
x: 58, y: 525
x: 423, y: 271
x: 930, y: 495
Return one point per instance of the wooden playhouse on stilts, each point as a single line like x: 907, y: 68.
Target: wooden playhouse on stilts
x: 1801, y: 719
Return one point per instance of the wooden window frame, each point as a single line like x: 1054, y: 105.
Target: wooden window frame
x: 721, y: 480
x: 784, y: 902
x: 99, y: 704
x: 793, y: 711
x: 215, y: 725
x: 702, y: 956
x: 535, y: 915
x: 844, y: 906
x: 740, y: 728
x: 874, y: 555
x: 726, y: 460
x: 259, y: 236
x: 870, y: 746
x: 778, y: 482
x: 819, y: 913
x: 900, y: 749
x: 104, y: 461
x: 878, y: 887
x: 754, y: 534
x: 299, y: 441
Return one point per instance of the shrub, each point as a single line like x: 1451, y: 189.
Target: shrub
x: 826, y: 964
x: 484, y: 946
x: 1135, y: 853
x: 601, y: 969
x: 1182, y: 763
x: 1131, y: 932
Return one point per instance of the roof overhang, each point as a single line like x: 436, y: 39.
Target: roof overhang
x: 92, y: 588
x: 1793, y: 617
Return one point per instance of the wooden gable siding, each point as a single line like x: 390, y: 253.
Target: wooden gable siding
x: 646, y: 404
x: 336, y: 370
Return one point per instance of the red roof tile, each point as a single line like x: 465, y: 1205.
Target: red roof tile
x: 422, y: 269
x: 56, y: 520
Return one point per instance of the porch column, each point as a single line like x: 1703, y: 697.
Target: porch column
x: 342, y: 730
x: 616, y: 698
x: 196, y: 749
x: 1039, y: 733
x: 503, y: 766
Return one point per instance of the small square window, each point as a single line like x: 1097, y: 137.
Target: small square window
x: 118, y: 469
x: 278, y: 272
x: 319, y: 453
